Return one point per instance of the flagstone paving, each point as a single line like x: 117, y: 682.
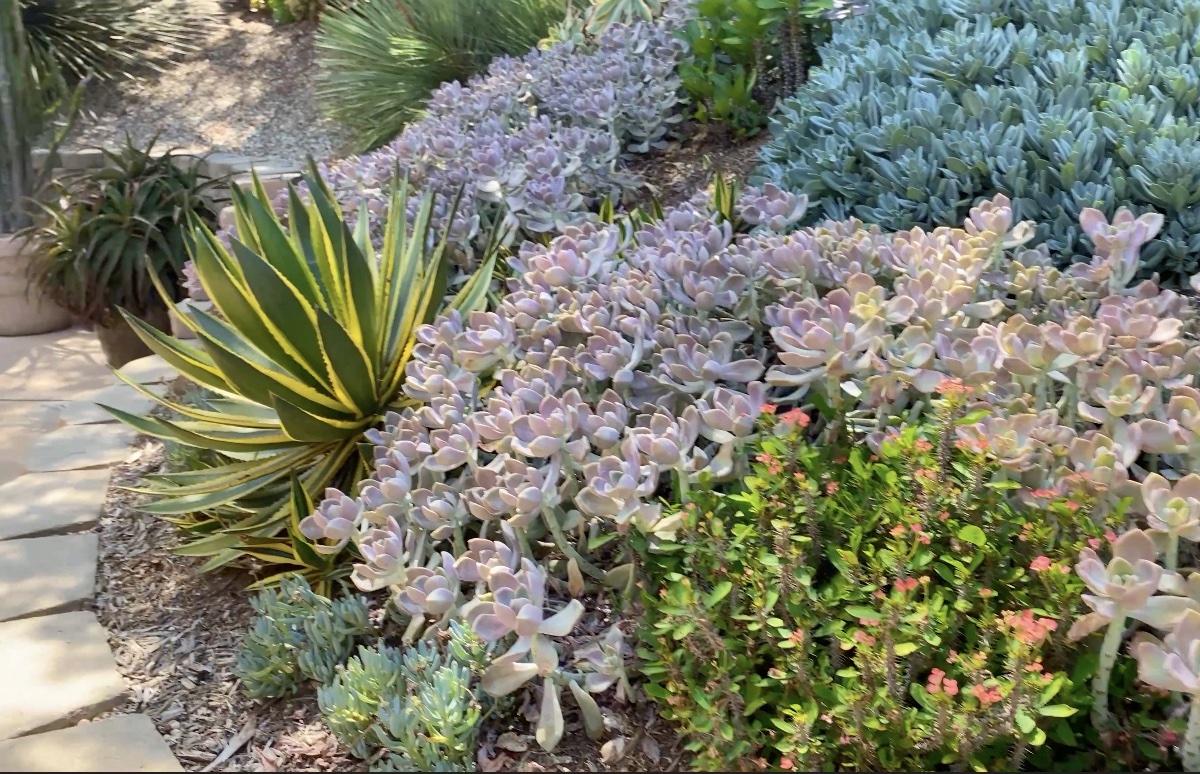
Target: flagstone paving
x: 56, y: 448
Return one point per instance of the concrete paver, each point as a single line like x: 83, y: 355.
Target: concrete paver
x: 55, y: 366
x: 85, y: 410
x: 120, y: 743
x: 56, y: 447
x: 49, y: 503
x: 77, y: 447
x: 46, y: 574
x: 60, y: 670
x: 22, y: 423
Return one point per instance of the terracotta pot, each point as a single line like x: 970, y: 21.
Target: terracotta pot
x: 119, y: 342
x: 24, y: 311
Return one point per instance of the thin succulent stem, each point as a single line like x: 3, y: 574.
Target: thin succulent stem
x: 681, y: 483
x: 550, y: 519
x: 1101, y: 717
x: 1172, y: 551
x: 1190, y: 753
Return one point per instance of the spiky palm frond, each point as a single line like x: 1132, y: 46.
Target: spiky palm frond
x: 111, y: 38
x: 380, y: 59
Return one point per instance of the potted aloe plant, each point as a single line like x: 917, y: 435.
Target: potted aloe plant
x: 23, y: 113
x: 115, y: 237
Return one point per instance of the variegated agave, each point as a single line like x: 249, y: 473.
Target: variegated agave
x: 306, y: 348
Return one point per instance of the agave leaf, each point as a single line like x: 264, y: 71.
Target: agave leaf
x: 199, y: 502
x: 350, y: 367
x: 159, y: 428
x: 188, y: 359
x: 304, y: 426
x: 208, y: 546
x: 223, y: 477
x: 257, y: 378
x: 236, y: 413
x: 285, y: 313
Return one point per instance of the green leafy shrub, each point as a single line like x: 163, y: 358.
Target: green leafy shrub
x: 605, y: 13
x: 920, y: 109
x: 380, y: 60
x: 422, y: 704
x: 288, y: 11
x: 307, y: 346
x: 845, y: 610
x: 298, y: 636
x: 110, y: 238
x: 111, y: 38
x: 746, y: 53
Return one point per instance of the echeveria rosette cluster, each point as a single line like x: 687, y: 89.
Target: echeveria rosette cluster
x: 1172, y: 512
x: 623, y: 362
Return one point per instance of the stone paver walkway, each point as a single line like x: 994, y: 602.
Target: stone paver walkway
x: 56, y: 448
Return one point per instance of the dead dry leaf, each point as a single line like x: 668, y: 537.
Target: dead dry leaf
x: 239, y: 739
x: 650, y: 749
x: 512, y: 742
x: 499, y: 763
x: 613, y: 750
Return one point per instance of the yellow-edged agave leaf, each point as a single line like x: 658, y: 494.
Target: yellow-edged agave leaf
x: 261, y: 230
x: 305, y: 350
x: 189, y: 360
x: 253, y: 376
x: 207, y: 546
x: 165, y: 430
x: 350, y: 367
x: 221, y: 477
x: 231, y: 412
x: 285, y: 313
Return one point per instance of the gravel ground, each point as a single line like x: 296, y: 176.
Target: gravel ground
x: 247, y: 89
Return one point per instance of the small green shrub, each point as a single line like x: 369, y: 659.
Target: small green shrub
x: 746, y: 53
x: 288, y: 11
x: 921, y: 108
x: 379, y: 60
x: 298, y: 636
x: 894, y: 612
x: 111, y: 38
x: 423, y: 704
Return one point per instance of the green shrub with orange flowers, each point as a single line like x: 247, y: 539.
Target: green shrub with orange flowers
x: 905, y: 610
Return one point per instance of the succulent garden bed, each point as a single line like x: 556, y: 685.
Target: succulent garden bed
x: 544, y: 441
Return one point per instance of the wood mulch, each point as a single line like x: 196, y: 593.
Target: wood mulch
x: 674, y: 175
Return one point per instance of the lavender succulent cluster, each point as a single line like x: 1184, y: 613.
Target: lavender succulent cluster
x: 536, y: 142
x: 533, y: 145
